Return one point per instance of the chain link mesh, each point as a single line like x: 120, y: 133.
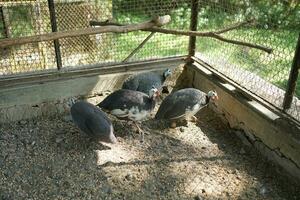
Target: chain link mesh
x: 261, y: 73
x: 20, y: 19
x: 277, y: 26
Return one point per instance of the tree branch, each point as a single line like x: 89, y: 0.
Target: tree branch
x: 211, y: 34
x: 139, y: 47
x: 152, y: 26
x: 158, y: 21
x: 232, y: 27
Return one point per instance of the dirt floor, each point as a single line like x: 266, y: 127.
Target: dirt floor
x: 48, y: 158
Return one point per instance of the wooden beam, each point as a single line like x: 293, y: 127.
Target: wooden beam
x: 292, y: 82
x: 212, y: 34
x: 159, y: 21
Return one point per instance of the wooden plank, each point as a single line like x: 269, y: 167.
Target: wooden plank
x: 89, y: 70
x: 33, y: 2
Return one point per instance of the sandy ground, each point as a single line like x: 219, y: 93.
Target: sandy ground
x: 48, y: 158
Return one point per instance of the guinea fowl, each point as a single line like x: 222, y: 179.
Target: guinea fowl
x: 132, y: 105
x: 93, y: 121
x: 184, y: 103
x: 143, y: 82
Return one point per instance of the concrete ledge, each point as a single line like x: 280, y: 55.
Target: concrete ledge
x: 49, y: 94
x: 262, y: 127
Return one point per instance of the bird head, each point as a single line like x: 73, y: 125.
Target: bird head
x: 71, y: 101
x: 154, y: 93
x: 167, y: 73
x: 212, y: 95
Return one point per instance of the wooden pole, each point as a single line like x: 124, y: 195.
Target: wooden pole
x: 87, y: 31
x: 139, y: 47
x: 193, y: 27
x: 292, y: 82
x: 6, y: 28
x: 54, y: 29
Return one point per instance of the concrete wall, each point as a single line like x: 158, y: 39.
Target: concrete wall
x: 267, y: 131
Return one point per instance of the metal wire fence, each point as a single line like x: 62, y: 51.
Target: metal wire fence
x: 277, y: 26
x: 20, y: 19
x: 263, y: 74
x: 27, y: 18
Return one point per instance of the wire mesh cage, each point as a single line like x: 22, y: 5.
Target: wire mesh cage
x: 26, y: 18
x: 20, y: 19
x: 274, y: 24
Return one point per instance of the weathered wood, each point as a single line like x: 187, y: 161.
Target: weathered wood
x: 292, y: 82
x: 86, y: 70
x: 211, y: 34
x: 159, y: 21
x: 33, y: 2
x: 54, y: 29
x: 6, y: 29
x: 193, y: 27
x: 5, y: 22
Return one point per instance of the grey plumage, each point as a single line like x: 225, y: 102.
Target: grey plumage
x: 92, y: 121
x: 182, y: 103
x: 143, y: 82
x: 134, y: 105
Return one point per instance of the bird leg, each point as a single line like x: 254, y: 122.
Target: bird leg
x: 141, y: 132
x: 173, y: 124
x: 193, y: 119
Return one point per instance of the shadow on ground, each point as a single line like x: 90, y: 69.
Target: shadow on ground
x: 48, y: 158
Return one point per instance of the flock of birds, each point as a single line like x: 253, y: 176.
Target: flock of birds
x: 135, y: 102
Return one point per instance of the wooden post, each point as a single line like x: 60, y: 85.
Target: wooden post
x: 292, y: 82
x: 5, y: 22
x: 193, y: 27
x: 54, y: 29
x: 6, y: 27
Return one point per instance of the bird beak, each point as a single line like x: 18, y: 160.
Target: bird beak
x: 157, y: 93
x: 214, y: 98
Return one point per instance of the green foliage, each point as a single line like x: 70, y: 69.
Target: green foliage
x: 21, y: 21
x: 273, y: 68
x: 274, y: 14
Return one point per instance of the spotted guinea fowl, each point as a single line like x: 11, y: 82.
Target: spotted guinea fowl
x: 92, y: 121
x: 184, y: 103
x: 133, y: 105
x: 143, y: 82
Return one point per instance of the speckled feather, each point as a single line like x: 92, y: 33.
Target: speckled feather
x: 94, y: 122
x: 175, y: 105
x: 143, y: 82
x: 126, y: 99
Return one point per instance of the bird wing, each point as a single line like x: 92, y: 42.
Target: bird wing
x: 122, y: 99
x: 176, y: 104
x: 95, y: 124
x: 132, y: 83
x: 143, y: 82
x: 171, y: 107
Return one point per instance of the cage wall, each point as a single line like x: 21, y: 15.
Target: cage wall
x: 275, y: 24
x: 27, y: 18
